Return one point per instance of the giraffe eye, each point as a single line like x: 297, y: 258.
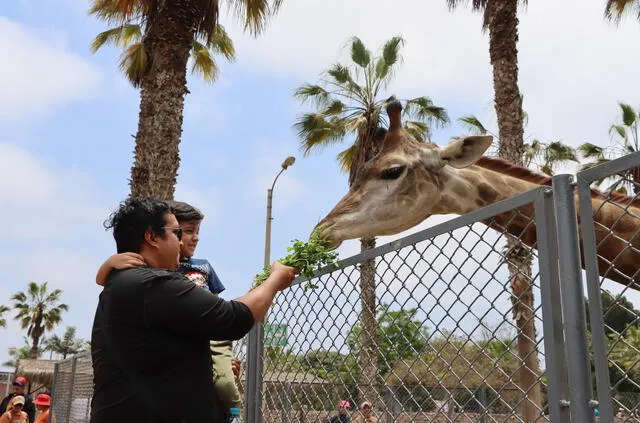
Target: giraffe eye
x: 392, y: 172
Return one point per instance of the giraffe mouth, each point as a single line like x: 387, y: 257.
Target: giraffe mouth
x: 326, y: 233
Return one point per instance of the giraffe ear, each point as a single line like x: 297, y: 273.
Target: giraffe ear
x: 466, y: 151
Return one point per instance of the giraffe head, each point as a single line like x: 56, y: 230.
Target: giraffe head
x: 401, y: 186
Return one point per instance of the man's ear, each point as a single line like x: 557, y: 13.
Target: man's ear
x: 465, y: 151
x: 150, y: 239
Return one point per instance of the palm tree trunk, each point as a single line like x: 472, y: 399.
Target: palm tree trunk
x: 502, y: 19
x: 503, y: 38
x: 368, y: 353
x: 167, y: 41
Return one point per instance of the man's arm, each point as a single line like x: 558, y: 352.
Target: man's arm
x: 175, y: 303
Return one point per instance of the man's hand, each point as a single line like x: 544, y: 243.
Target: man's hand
x: 282, y: 276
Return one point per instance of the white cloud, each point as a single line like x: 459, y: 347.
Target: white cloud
x: 572, y: 71
x: 52, y: 232
x: 39, y: 72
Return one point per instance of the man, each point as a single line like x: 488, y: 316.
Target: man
x: 151, y: 332
x: 18, y: 388
x: 365, y: 415
x: 343, y: 413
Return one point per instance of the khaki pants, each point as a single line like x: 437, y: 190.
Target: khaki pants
x: 223, y: 379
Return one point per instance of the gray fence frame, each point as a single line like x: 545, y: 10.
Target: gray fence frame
x: 569, y: 387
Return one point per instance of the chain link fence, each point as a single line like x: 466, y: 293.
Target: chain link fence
x: 73, y: 389
x: 612, y: 253
x: 478, y: 319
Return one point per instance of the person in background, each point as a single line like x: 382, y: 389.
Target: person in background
x: 15, y: 414
x: 365, y: 414
x: 343, y: 413
x: 43, y: 404
x: 19, y: 387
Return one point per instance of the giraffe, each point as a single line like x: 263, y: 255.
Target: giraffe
x: 409, y: 181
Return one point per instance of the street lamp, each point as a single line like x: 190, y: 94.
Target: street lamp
x: 255, y: 341
x: 289, y: 161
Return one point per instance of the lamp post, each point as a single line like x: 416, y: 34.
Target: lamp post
x: 255, y: 341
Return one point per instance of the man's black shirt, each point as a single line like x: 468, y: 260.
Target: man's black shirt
x: 157, y: 325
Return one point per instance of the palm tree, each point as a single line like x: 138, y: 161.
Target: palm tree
x: 38, y: 311
x: 616, y: 9
x: 349, y: 102
x: 18, y: 353
x: 3, y: 321
x: 67, y: 345
x: 544, y: 157
x: 156, y: 60
x: 626, y: 140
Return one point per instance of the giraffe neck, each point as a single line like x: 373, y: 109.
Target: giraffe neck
x: 466, y: 190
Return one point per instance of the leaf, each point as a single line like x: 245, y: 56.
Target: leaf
x: 203, y: 63
x: 391, y: 50
x: 418, y: 130
x: 315, y: 131
x: 219, y: 42
x: 335, y: 108
x: 473, y: 124
x: 121, y: 36
x: 359, y: 53
x: 314, y: 93
x: 589, y: 150
x: 629, y: 116
x: 134, y: 63
x: 340, y: 73
x: 620, y: 130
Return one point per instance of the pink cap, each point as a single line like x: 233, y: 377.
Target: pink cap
x: 344, y: 404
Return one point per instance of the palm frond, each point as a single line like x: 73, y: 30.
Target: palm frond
x: 391, y: 50
x: 120, y: 36
x: 615, y: 10
x: 424, y: 109
x: 558, y: 152
x: 591, y: 151
x: 418, y: 130
x: 359, y: 53
x: 255, y: 14
x: 346, y: 157
x: 340, y: 73
x: 313, y: 93
x: 220, y: 43
x: 134, y: 63
x: 316, y: 131
x: 203, y: 63
x: 334, y: 108
x: 473, y: 124
x: 629, y: 115
x: 621, y: 130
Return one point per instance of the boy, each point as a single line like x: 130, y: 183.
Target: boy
x: 201, y: 273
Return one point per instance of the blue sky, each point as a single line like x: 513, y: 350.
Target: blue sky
x: 67, y: 115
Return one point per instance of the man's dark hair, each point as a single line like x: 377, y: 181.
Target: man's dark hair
x: 185, y: 212
x: 134, y: 217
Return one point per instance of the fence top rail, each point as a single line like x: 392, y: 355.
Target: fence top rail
x: 609, y: 168
x: 74, y: 357
x: 434, y: 231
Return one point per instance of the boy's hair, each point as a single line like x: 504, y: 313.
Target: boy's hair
x: 134, y: 217
x: 185, y: 212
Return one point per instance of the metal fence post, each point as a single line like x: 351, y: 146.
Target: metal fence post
x: 73, y: 381
x: 573, y: 300
x: 558, y: 390
x: 598, y: 335
x: 53, y: 388
x: 253, y: 393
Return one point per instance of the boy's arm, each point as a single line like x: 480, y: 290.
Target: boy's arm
x: 117, y: 261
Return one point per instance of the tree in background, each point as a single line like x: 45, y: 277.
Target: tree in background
x: 3, y: 321
x: 38, y: 311
x: 616, y: 9
x: 167, y: 32
x: 625, y: 140
x: 66, y: 345
x: 349, y: 101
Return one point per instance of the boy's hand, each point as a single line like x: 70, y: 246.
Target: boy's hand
x: 282, y: 275
x: 125, y: 261
x: 235, y: 367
